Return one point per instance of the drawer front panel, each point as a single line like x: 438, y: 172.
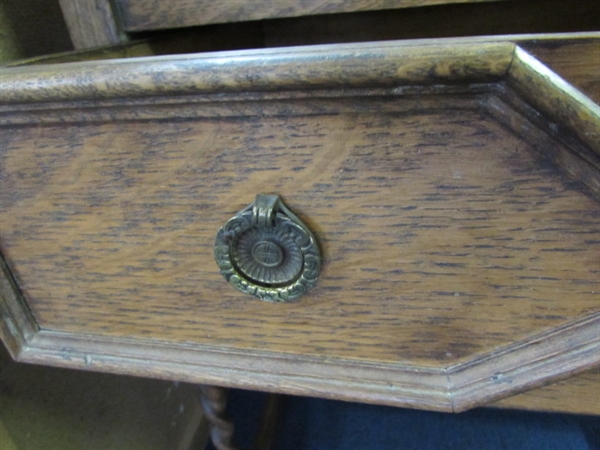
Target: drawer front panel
x: 443, y: 234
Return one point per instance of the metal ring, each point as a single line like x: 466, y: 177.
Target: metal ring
x: 266, y: 251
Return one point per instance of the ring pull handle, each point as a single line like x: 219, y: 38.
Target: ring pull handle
x: 266, y: 251
x: 263, y: 210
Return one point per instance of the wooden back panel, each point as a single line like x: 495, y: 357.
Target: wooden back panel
x: 156, y: 14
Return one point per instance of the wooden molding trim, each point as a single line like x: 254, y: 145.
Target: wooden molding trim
x: 321, y: 67
x: 17, y: 324
x: 552, y: 355
x: 531, y: 363
x: 573, y: 156
x: 556, y: 98
x: 404, y: 70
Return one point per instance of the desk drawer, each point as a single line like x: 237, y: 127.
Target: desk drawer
x: 453, y: 191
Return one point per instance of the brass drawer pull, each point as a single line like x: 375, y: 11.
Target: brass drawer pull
x: 266, y: 251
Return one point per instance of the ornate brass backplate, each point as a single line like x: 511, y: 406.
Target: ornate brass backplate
x: 266, y: 251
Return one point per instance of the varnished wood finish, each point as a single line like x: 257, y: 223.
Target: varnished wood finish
x: 545, y: 90
x: 577, y: 395
x: 269, y: 70
x: 570, y: 55
x: 578, y: 160
x: 494, y: 376
x: 575, y: 60
x: 91, y: 23
x: 141, y: 15
x: 214, y: 403
x: 461, y: 261
x: 18, y: 324
x: 287, y: 22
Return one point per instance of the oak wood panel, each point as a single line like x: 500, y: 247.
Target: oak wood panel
x: 506, y: 366
x: 91, y: 23
x: 578, y: 395
x: 419, y: 217
x: 155, y: 14
x: 450, y: 242
x: 578, y: 160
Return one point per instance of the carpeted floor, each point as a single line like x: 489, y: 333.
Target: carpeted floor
x: 315, y: 424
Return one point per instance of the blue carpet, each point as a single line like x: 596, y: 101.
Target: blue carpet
x: 316, y: 424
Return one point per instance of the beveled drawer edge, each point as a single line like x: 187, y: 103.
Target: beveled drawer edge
x: 545, y: 357
x: 17, y: 324
x: 533, y: 362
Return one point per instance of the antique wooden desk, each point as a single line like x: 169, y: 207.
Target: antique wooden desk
x: 452, y: 186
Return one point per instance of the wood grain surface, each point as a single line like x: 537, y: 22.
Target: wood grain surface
x: 577, y: 395
x: 575, y: 60
x: 460, y: 261
x: 420, y: 216
x: 570, y: 55
x: 152, y: 14
x: 17, y: 324
x: 575, y: 158
x: 270, y: 70
x: 91, y: 23
x: 567, y: 107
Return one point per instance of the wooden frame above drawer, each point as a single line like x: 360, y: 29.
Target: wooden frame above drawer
x: 142, y: 15
x: 255, y: 24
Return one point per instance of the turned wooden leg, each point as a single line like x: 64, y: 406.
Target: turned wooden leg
x: 265, y: 439
x: 214, y: 401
